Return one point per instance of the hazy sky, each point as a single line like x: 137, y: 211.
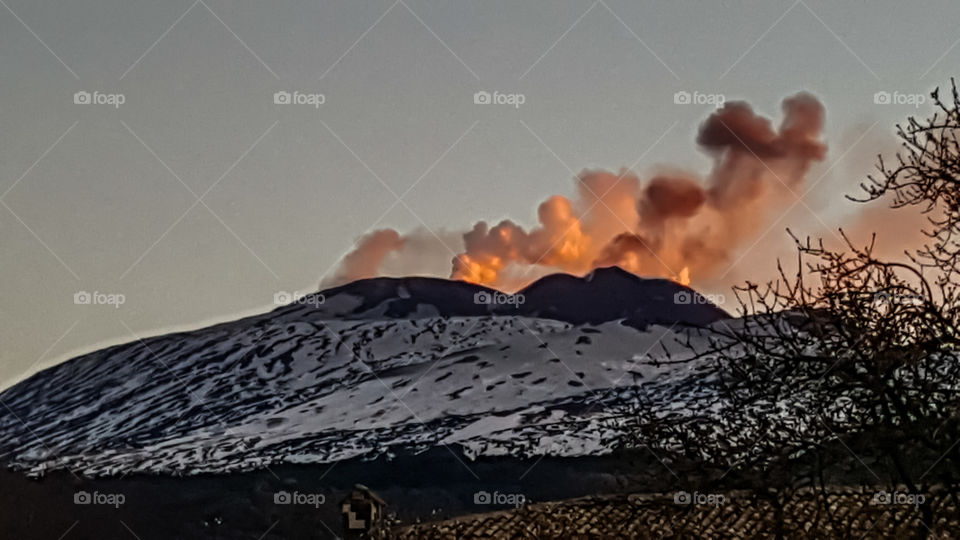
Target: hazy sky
x: 97, y: 197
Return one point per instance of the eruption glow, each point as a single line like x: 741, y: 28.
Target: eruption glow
x: 673, y: 225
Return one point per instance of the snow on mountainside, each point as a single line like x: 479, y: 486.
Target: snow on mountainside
x: 381, y: 367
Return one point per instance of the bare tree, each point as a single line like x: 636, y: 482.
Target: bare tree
x: 846, y: 370
x: 927, y: 175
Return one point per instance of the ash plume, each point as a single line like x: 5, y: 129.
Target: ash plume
x: 365, y: 260
x: 671, y: 225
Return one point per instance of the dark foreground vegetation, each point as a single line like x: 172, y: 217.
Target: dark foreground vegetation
x: 847, y: 362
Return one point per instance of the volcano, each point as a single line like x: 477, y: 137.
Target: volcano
x: 377, y: 367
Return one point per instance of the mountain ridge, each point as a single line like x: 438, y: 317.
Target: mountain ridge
x: 374, y: 368
x: 602, y: 295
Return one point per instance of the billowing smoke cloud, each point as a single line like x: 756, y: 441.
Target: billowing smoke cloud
x: 673, y: 225
x: 365, y: 260
x: 757, y: 171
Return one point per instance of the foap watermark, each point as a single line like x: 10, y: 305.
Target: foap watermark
x: 899, y: 98
x: 898, y: 297
x: 98, y: 98
x: 710, y: 499
x: 497, y: 498
x: 499, y: 98
x: 498, y: 298
x: 884, y: 498
x: 97, y: 298
x: 282, y: 298
x: 297, y: 97
x: 309, y: 499
x: 698, y: 98
x: 693, y: 297
x: 115, y: 500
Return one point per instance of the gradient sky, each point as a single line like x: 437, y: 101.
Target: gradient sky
x: 98, y: 198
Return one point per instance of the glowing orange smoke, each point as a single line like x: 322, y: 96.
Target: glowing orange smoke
x: 673, y: 225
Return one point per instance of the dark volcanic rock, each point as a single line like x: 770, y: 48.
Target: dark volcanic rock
x: 606, y: 294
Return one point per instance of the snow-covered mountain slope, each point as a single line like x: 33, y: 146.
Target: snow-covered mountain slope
x: 380, y: 367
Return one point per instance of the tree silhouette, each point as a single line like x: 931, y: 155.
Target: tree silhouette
x: 844, y: 371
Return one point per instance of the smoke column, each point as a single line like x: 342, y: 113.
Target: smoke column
x: 673, y: 225
x: 367, y: 257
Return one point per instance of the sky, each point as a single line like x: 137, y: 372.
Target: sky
x: 146, y: 161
